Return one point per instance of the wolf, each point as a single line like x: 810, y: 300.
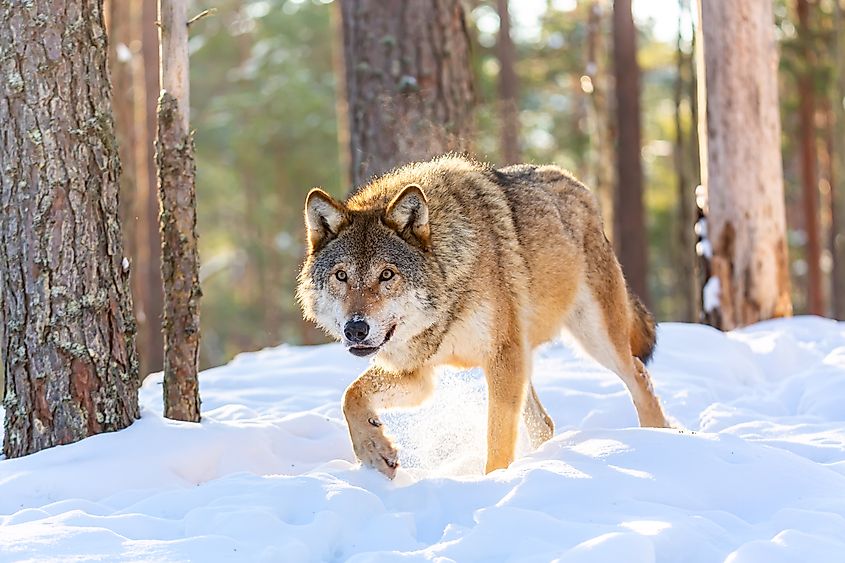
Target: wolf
x: 455, y: 262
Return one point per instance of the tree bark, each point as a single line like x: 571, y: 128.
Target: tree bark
x: 340, y: 105
x: 408, y: 82
x: 148, y: 273
x: 177, y: 193
x: 837, y: 187
x: 121, y: 34
x: 684, y: 257
x: 741, y: 168
x: 809, y: 163
x: 630, y: 233
x: 69, y: 346
x: 508, y: 88
x: 128, y: 21
x: 601, y: 128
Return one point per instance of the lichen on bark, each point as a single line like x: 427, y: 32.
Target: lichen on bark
x: 180, y: 262
x: 69, y: 342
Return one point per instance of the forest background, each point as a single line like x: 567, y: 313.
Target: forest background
x: 265, y: 102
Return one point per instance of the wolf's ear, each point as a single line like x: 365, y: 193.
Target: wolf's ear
x: 324, y: 217
x: 407, y: 214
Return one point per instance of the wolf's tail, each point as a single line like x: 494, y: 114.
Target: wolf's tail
x: 643, y: 333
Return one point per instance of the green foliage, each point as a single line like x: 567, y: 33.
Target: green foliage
x: 263, y: 104
x: 262, y: 96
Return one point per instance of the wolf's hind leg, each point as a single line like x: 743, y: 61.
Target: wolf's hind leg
x: 611, y: 347
x: 507, y: 374
x: 377, y: 389
x: 537, y: 420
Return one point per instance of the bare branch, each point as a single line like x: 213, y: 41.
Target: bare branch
x: 201, y: 15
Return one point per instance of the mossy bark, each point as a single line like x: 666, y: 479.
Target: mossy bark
x: 408, y: 82
x: 180, y: 262
x: 69, y: 343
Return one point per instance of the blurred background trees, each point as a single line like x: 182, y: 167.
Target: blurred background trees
x: 270, y: 88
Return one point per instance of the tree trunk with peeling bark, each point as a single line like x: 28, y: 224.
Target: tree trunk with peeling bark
x: 408, y: 82
x: 178, y: 221
x: 741, y: 167
x: 69, y: 344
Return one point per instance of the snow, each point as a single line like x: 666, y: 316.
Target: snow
x: 753, y: 473
x: 711, y: 293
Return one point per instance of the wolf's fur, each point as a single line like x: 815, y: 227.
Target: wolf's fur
x: 487, y: 264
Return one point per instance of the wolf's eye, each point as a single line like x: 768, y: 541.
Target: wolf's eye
x: 340, y: 275
x: 386, y: 274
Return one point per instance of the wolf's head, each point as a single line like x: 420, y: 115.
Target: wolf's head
x: 363, y: 280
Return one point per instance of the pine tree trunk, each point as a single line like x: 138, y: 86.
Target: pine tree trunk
x: 137, y: 191
x: 508, y: 88
x: 147, y: 278
x: 809, y: 162
x: 177, y: 193
x: 601, y: 128
x: 739, y: 136
x: 683, y: 240
x: 119, y: 27
x: 408, y: 82
x: 630, y: 233
x: 340, y: 105
x: 837, y: 204
x: 69, y: 346
x: 827, y: 179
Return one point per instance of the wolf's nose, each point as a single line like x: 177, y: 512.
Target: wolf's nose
x: 356, y: 331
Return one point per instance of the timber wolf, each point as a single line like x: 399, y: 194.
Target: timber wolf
x: 456, y: 262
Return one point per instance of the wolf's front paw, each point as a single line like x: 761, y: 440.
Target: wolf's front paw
x: 376, y: 450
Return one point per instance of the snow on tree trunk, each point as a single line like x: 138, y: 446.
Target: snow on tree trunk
x: 69, y: 345
x: 408, y: 82
x: 178, y: 221
x: 739, y: 136
x: 629, y: 232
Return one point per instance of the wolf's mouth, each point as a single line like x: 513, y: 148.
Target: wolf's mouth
x: 362, y: 351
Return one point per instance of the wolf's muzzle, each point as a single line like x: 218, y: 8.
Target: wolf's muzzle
x: 362, y: 351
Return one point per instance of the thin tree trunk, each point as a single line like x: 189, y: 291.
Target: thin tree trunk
x: 601, y: 129
x: 508, y: 88
x: 340, y: 106
x: 684, y: 258
x: 809, y: 162
x: 630, y: 229
x: 408, y: 82
x: 119, y: 27
x: 739, y: 136
x: 837, y: 187
x: 69, y: 346
x: 177, y: 193
x: 827, y: 205
x: 146, y: 278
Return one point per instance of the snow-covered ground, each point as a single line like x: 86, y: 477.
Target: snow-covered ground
x: 755, y: 471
